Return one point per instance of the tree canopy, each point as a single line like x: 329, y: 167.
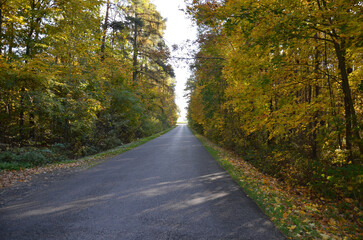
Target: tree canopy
x: 281, y: 84
x: 86, y: 74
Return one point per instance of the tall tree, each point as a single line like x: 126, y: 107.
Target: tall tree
x: 291, y: 77
x: 67, y: 74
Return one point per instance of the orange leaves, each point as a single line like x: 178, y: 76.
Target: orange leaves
x: 8, y: 178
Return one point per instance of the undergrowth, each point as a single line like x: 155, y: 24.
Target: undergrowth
x: 20, y: 158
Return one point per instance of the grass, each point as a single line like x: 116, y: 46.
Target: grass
x: 292, y: 209
x: 14, y: 165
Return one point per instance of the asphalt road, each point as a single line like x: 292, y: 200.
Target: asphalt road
x: 168, y: 188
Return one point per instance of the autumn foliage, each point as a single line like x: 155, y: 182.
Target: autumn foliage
x: 81, y: 76
x: 280, y: 83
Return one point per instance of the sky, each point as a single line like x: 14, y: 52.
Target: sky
x: 179, y: 29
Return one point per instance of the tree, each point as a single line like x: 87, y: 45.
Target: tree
x: 289, y: 82
x: 67, y: 74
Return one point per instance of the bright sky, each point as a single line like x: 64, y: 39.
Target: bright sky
x: 178, y: 29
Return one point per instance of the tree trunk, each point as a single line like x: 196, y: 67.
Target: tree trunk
x: 28, y: 41
x: 135, y: 54
x: 314, y: 143
x: 30, y: 33
x: 351, y: 126
x: 135, y: 48
x: 32, y: 126
x: 1, y: 31
x: 105, y: 26
x: 2, y: 3
x: 21, y: 114
x: 331, y: 95
x: 12, y: 40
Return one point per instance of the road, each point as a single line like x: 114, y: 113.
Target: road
x: 168, y: 188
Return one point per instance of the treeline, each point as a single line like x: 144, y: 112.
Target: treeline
x: 280, y: 83
x: 81, y: 76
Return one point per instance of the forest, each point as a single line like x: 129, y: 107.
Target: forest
x: 280, y: 84
x: 80, y: 76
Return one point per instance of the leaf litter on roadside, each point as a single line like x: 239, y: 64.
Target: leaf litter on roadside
x: 298, y: 212
x: 9, y: 178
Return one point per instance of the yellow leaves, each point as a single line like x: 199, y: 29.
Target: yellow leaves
x: 274, y: 92
x: 277, y: 200
x: 332, y: 222
x: 324, y: 236
x: 13, y: 18
x: 291, y: 228
x: 196, y: 106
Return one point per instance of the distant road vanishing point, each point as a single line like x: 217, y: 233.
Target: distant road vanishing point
x: 168, y: 188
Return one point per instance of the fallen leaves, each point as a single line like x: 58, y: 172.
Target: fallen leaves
x: 9, y: 178
x: 292, y: 227
x: 295, y: 210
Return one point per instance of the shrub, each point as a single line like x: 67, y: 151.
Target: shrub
x: 7, y: 156
x: 27, y: 157
x: 109, y: 142
x: 33, y: 157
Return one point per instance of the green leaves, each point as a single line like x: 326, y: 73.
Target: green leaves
x: 59, y: 82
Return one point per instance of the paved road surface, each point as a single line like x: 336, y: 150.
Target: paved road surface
x: 168, y: 188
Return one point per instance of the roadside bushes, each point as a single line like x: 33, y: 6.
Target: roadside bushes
x: 17, y: 158
x: 106, y: 136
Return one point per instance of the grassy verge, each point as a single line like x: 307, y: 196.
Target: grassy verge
x: 293, y: 209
